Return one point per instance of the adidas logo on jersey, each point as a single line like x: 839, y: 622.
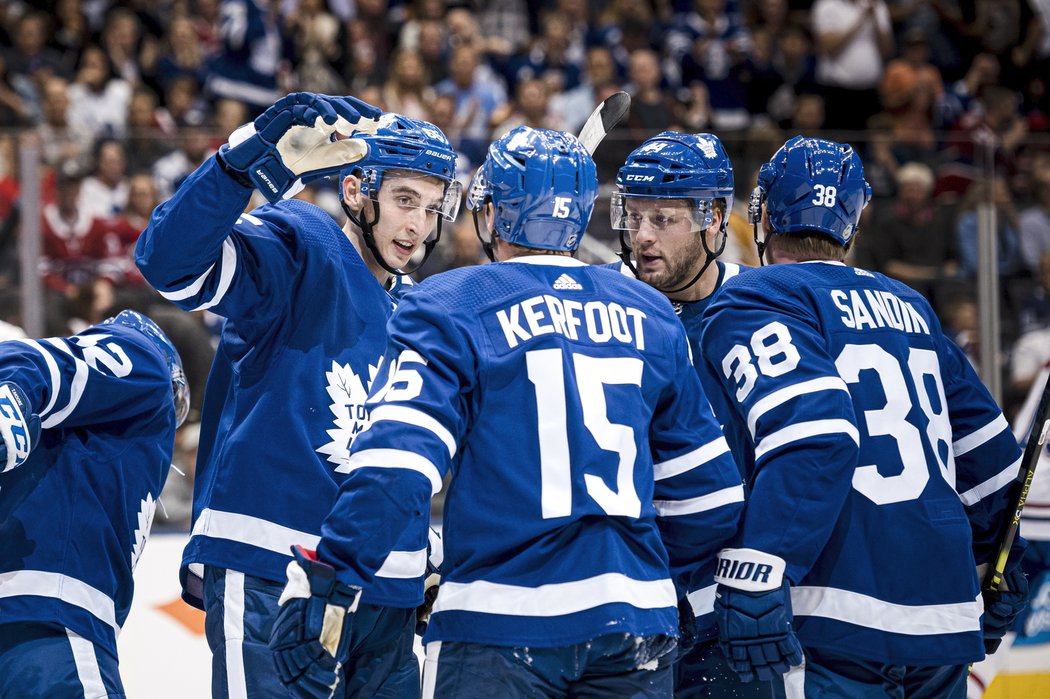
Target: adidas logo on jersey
x: 565, y: 282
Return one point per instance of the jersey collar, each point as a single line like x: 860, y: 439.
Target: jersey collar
x: 548, y: 260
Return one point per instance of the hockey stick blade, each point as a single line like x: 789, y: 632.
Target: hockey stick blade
x: 603, y: 119
x: 1032, y: 451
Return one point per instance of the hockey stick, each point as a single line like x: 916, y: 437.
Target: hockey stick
x: 602, y: 120
x: 598, y: 125
x: 1036, y: 442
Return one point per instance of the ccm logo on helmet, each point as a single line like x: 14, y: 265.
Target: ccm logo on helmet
x: 640, y: 178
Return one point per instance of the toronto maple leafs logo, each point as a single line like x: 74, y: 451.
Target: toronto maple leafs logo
x: 348, y: 394
x: 145, y: 520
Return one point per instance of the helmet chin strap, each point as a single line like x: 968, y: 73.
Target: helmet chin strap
x: 489, y: 246
x: 625, y: 255
x: 367, y: 228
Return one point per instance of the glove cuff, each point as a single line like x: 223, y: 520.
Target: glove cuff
x: 750, y: 570
x: 19, y: 427
x: 236, y: 175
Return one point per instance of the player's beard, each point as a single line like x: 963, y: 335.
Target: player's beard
x: 677, y: 270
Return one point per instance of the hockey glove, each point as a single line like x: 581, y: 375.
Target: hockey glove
x: 19, y: 427
x: 1002, y: 607
x: 688, y: 634
x: 296, y: 141
x: 311, y: 636
x: 753, y: 608
x: 430, y: 593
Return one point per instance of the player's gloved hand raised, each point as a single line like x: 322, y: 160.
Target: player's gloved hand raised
x: 753, y: 608
x: 310, y: 639
x: 19, y: 426
x: 1002, y: 607
x: 296, y: 141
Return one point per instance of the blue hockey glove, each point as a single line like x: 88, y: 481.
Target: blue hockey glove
x: 19, y: 427
x: 1002, y: 607
x: 688, y: 634
x: 310, y: 639
x: 753, y: 608
x: 296, y: 140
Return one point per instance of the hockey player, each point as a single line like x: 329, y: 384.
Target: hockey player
x: 878, y: 464
x: 306, y: 306
x: 556, y: 394
x: 88, y: 427
x: 674, y: 194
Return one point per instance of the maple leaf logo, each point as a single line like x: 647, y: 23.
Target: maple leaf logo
x: 348, y: 394
x: 145, y: 520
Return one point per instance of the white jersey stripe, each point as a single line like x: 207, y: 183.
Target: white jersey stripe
x: 430, y: 669
x: 778, y: 398
x: 189, y: 290
x: 76, y: 388
x: 804, y: 430
x: 86, y: 663
x: 395, y: 458
x: 703, y: 600
x: 677, y: 508
x: 53, y: 374
x: 233, y: 634
x: 687, y: 462
x: 42, y: 583
x: 980, y: 436
x: 992, y: 485
x: 416, y: 418
x: 229, y: 266
x: 263, y: 534
x: 404, y: 564
x: 870, y: 612
x: 555, y: 599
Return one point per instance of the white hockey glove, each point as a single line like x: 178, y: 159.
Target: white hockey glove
x: 297, y: 141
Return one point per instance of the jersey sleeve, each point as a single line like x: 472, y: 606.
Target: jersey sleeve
x: 105, y: 374
x: 698, y: 494
x: 201, y: 252
x: 417, y: 418
x: 987, y: 456
x: 769, y: 359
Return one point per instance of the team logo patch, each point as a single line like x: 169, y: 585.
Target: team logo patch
x: 348, y: 393
x: 567, y: 283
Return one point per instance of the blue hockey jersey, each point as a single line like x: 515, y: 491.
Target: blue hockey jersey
x: 561, y: 399
x: 878, y: 464
x: 303, y: 339
x: 700, y: 586
x: 74, y: 518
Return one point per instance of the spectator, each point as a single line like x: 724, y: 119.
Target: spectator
x: 123, y: 42
x: 61, y: 139
x: 194, y: 147
x: 599, y: 79
x: 1034, y: 223
x: 477, y: 97
x: 407, y: 91
x: 530, y: 109
x: 854, y: 38
x: 30, y: 62
x: 911, y: 238
x: 651, y: 106
x: 809, y: 115
x: 146, y: 142
x: 550, y: 57
x: 711, y: 45
x: 14, y: 110
x: 100, y: 99
x: 995, y: 193
x: 910, y: 90
x: 247, y: 64
x: 104, y: 193
x: 229, y: 116
x: 183, y: 54
x: 1032, y: 350
x: 791, y: 71
x: 434, y: 49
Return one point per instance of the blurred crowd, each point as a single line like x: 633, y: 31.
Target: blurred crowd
x: 945, y: 99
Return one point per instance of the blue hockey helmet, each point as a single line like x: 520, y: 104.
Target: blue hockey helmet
x: 179, y: 387
x: 811, y: 184
x: 675, y: 165
x: 403, y: 144
x: 542, y: 185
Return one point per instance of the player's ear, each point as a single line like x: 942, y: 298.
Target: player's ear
x: 352, y: 192
x: 490, y: 217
